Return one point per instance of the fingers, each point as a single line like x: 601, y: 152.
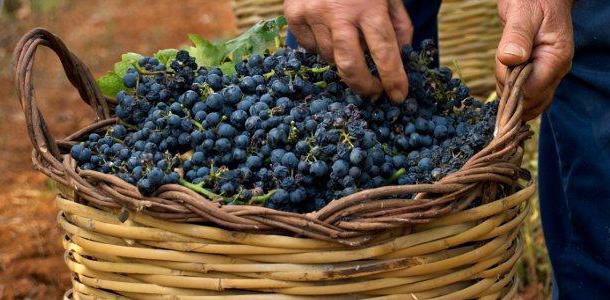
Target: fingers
x: 401, y: 22
x: 538, y: 90
x: 349, y: 58
x: 304, y: 36
x: 333, y: 29
x: 540, y: 86
x: 298, y: 25
x: 323, y: 39
x: 381, y: 40
x: 500, y: 77
x: 523, y: 20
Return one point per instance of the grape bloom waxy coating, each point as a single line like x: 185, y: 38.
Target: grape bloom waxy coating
x: 283, y: 131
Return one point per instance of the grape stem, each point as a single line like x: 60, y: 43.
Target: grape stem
x: 262, y: 199
x: 319, y: 70
x: 269, y: 74
x: 321, y: 84
x: 197, y: 124
x: 199, y: 189
x: 143, y: 71
x: 206, y: 90
x: 396, y: 175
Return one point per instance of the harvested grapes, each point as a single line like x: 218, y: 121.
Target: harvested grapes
x: 282, y: 130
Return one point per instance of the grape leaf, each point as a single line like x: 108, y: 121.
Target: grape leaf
x: 260, y: 37
x: 110, y: 84
x: 165, y: 56
x: 263, y: 36
x: 205, y: 52
x: 128, y: 60
x: 227, y: 67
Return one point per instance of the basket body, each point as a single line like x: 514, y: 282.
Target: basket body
x: 248, y: 12
x: 469, y: 32
x: 469, y: 254
x: 394, y: 242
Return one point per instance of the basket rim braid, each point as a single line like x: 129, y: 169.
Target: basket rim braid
x: 353, y: 220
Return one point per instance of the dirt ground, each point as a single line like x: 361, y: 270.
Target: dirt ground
x: 31, y: 264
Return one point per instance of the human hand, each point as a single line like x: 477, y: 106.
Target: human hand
x: 541, y: 31
x: 334, y: 29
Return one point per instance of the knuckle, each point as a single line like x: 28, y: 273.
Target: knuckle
x: 382, y: 53
x: 293, y: 13
x: 307, y: 44
x: 562, y: 61
x: 405, y: 28
x: 346, y: 65
x: 521, y: 35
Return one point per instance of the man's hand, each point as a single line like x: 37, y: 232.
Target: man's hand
x: 540, y: 30
x: 334, y: 28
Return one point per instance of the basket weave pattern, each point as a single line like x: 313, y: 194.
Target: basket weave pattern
x: 248, y: 12
x: 469, y: 32
x: 374, y: 242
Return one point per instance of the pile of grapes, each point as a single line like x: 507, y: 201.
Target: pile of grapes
x: 283, y: 131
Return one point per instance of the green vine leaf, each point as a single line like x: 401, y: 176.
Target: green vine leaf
x: 165, y: 56
x: 262, y: 37
x: 205, y: 52
x: 110, y: 84
x: 128, y: 60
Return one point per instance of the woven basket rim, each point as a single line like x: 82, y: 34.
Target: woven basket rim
x: 352, y: 220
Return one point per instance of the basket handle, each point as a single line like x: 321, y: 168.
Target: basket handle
x: 510, y: 110
x: 78, y: 74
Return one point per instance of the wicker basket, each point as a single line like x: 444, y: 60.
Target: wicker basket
x: 469, y: 32
x: 375, y: 244
x: 248, y: 12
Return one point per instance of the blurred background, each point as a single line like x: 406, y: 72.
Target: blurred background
x: 98, y: 32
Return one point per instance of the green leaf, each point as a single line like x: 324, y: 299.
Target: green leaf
x: 128, y: 60
x: 259, y: 38
x: 227, y: 67
x: 262, y: 37
x: 110, y: 84
x: 165, y: 56
x: 205, y: 53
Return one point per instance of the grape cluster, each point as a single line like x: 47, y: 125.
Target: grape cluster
x: 284, y: 131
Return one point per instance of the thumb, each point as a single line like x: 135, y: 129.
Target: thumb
x: 522, y: 24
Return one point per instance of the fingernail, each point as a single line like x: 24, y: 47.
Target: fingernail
x: 397, y: 96
x: 514, y: 49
